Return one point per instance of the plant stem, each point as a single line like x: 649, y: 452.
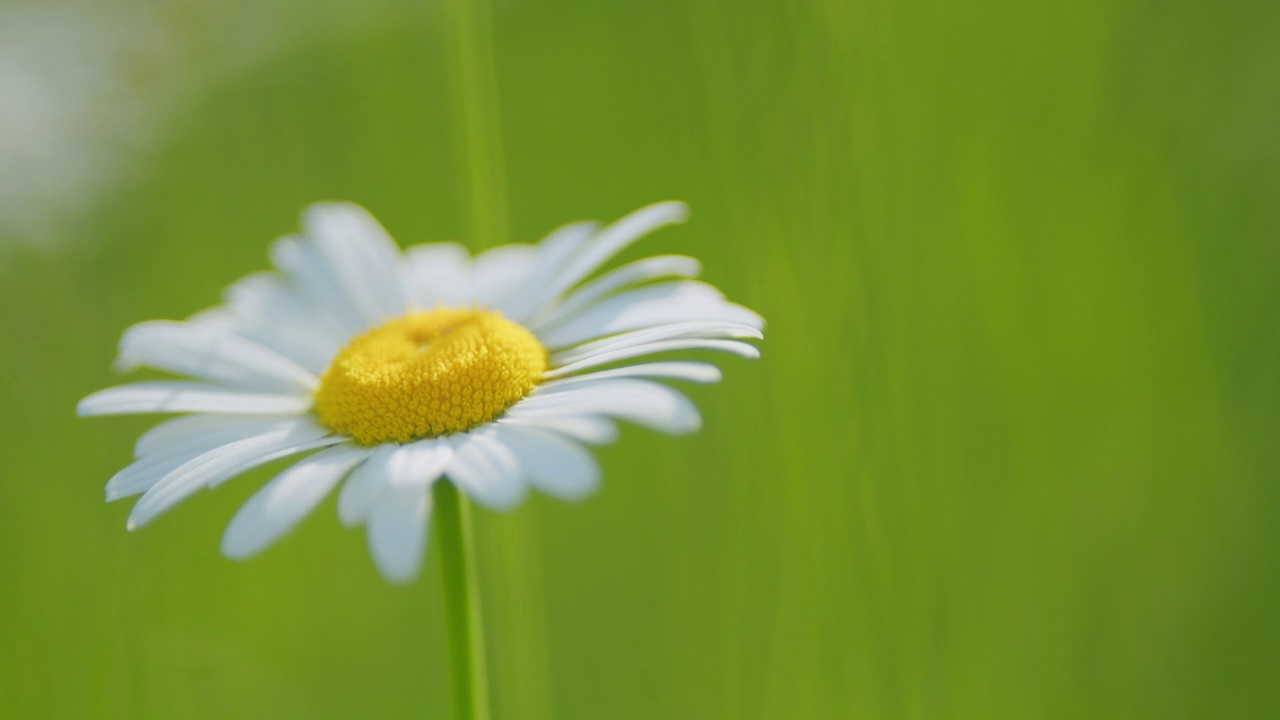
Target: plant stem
x: 461, y: 603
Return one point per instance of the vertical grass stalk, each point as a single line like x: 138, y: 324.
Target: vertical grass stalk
x: 480, y: 130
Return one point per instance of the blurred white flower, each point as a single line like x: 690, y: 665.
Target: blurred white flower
x: 86, y: 88
x: 68, y: 108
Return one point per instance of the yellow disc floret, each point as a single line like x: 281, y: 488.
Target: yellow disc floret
x: 427, y: 374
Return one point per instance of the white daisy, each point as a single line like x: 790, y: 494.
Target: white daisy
x: 403, y: 369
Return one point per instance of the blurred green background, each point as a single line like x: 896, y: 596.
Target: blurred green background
x: 1011, y: 452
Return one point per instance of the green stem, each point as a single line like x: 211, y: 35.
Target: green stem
x: 461, y: 603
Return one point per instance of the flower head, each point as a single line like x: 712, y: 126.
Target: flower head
x: 397, y: 370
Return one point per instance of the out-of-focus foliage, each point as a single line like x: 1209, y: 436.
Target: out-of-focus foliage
x: 1011, y: 451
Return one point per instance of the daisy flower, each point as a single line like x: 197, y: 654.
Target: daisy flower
x: 398, y: 370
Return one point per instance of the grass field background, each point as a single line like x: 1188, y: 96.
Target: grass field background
x: 1011, y: 451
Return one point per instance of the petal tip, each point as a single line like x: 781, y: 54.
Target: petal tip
x: 671, y: 211
x: 326, y: 207
x: 234, y: 549
x: 399, y: 578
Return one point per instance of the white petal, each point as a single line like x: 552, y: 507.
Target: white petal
x: 310, y: 276
x: 554, y: 465
x: 486, y: 470
x: 646, y: 307
x: 144, y: 473
x: 361, y: 256
x: 273, y: 331
x: 639, y: 401
x: 690, y: 371
x: 439, y: 274
x: 639, y: 271
x: 178, y: 396
x: 500, y: 271
x: 672, y: 331
x: 397, y: 530
x: 205, y: 432
x: 418, y: 462
x: 583, y: 428
x: 216, y: 466
x: 273, y: 295
x: 730, y: 346
x: 607, y: 243
x: 667, y: 331
x: 264, y: 308
x: 675, y: 370
x: 553, y: 254
x: 282, y: 503
x: 209, y: 353
x: 167, y: 446
x: 364, y: 486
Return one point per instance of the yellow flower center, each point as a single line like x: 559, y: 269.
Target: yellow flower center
x: 427, y: 374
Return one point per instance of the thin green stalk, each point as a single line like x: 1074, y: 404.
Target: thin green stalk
x: 461, y: 603
x: 484, y: 177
